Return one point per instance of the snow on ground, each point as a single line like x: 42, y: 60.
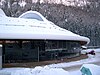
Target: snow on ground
x: 77, y: 72
x: 76, y: 63
x: 34, y: 71
x: 52, y: 69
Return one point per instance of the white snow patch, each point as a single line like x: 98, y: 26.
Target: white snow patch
x: 22, y: 3
x: 2, y: 2
x: 78, y: 72
x: 34, y: 71
x: 66, y: 20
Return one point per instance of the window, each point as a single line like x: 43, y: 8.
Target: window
x: 56, y: 45
x: 32, y: 16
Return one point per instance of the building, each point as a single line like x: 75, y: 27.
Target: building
x: 32, y: 37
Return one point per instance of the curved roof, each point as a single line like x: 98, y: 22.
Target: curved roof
x: 26, y: 28
x: 32, y: 15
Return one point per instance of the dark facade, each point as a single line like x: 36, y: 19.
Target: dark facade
x: 39, y: 50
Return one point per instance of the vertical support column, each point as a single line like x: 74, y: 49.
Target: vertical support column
x: 0, y: 56
x: 38, y: 55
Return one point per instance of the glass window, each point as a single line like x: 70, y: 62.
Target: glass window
x: 32, y: 16
x: 61, y: 45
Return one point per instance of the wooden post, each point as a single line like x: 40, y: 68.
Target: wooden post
x: 3, y: 51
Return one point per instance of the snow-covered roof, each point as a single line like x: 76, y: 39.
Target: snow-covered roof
x: 36, y: 28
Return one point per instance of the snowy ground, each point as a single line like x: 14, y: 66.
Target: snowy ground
x: 71, y: 68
